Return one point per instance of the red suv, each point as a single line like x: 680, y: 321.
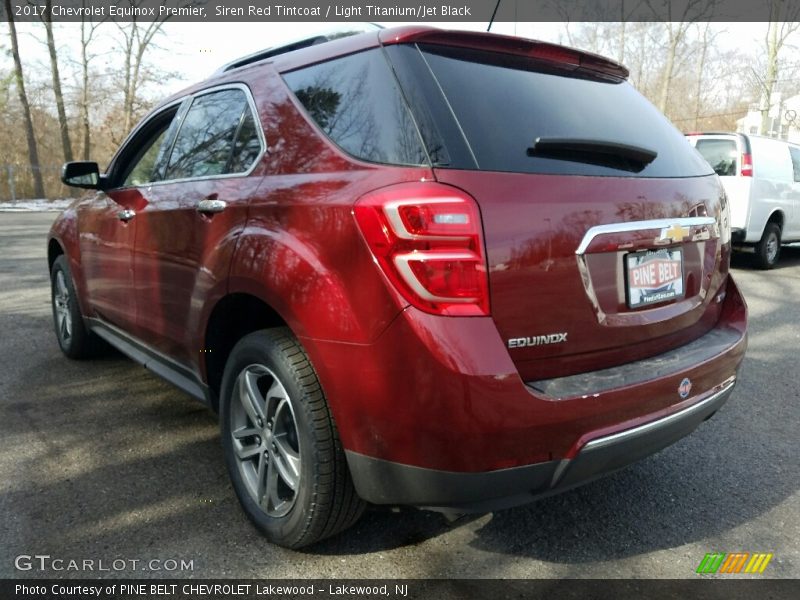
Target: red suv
x: 410, y: 267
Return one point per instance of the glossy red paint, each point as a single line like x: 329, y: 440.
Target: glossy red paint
x: 566, y: 57
x: 403, y: 385
x: 534, y: 224
x: 443, y: 393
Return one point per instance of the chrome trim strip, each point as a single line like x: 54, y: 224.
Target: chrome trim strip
x: 639, y: 226
x: 725, y: 387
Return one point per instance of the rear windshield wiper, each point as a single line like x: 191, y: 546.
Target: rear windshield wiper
x: 614, y: 155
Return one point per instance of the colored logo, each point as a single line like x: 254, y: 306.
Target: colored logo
x: 736, y: 562
x: 685, y: 388
x: 676, y: 233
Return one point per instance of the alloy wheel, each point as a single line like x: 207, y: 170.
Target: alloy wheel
x: 61, y: 303
x: 265, y: 441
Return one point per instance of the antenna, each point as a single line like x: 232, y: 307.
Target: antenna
x: 494, y: 13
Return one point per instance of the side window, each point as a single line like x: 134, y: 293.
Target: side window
x: 356, y: 103
x: 247, y: 145
x: 795, y: 161
x: 218, y: 136
x: 140, y: 159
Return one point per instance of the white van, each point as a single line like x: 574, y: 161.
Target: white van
x: 761, y: 177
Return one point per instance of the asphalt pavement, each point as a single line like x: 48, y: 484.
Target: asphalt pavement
x: 102, y: 461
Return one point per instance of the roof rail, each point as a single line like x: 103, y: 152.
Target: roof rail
x: 319, y: 38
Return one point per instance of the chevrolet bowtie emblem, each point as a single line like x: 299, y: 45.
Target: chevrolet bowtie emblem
x: 676, y: 233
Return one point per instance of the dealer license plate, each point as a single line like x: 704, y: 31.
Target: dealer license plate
x: 653, y: 276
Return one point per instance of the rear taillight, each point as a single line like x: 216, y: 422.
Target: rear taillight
x: 428, y: 240
x: 747, y: 165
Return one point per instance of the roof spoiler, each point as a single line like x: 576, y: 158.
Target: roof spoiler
x: 493, y: 42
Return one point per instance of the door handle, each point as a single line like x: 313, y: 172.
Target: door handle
x: 210, y: 206
x: 126, y: 215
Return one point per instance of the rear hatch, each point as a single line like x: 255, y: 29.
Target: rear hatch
x: 602, y: 226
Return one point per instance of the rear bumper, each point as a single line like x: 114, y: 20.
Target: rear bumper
x: 738, y: 235
x: 385, y: 482
x: 434, y: 412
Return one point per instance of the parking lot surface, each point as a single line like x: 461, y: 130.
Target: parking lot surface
x: 101, y: 460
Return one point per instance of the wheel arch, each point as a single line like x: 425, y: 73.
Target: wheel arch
x: 233, y: 316
x: 54, y: 250
x: 777, y: 217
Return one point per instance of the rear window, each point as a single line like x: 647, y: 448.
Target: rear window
x: 504, y: 103
x: 356, y: 102
x: 721, y: 154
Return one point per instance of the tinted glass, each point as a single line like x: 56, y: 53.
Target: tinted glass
x: 247, y: 145
x: 503, y: 103
x: 143, y: 170
x: 356, y: 103
x: 720, y: 154
x: 205, y: 141
x: 142, y: 159
x: 795, y: 161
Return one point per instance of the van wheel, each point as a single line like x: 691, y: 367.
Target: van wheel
x: 281, y: 446
x: 75, y: 340
x: 768, y: 250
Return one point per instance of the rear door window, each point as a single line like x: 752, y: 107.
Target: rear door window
x: 721, y: 154
x: 356, y: 102
x: 503, y: 103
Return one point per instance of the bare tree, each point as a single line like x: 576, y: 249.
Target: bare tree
x: 783, y: 23
x: 88, y: 29
x: 705, y: 43
x: 623, y: 20
x: 33, y: 154
x: 136, y: 39
x: 63, y: 126
x: 676, y: 31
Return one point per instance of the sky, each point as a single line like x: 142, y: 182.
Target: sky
x: 197, y: 49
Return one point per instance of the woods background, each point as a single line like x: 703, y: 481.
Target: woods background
x: 93, y: 80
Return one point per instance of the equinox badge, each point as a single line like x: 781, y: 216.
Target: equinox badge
x: 537, y: 340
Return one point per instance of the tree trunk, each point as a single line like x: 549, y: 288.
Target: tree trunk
x: 771, y: 75
x: 700, y: 68
x: 85, y: 92
x: 669, y: 67
x: 33, y: 154
x: 62, y: 114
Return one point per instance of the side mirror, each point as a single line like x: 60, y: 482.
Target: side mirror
x: 81, y: 174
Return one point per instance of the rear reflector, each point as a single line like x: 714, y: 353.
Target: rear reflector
x: 427, y: 238
x: 747, y: 165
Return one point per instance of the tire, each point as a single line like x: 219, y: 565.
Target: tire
x: 768, y: 249
x: 75, y: 340
x: 281, y: 446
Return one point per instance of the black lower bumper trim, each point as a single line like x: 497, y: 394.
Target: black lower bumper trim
x: 385, y: 482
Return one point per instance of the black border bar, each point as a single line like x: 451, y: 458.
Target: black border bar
x: 62, y: 11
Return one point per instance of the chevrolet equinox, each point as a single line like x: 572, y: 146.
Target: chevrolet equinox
x: 414, y: 267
